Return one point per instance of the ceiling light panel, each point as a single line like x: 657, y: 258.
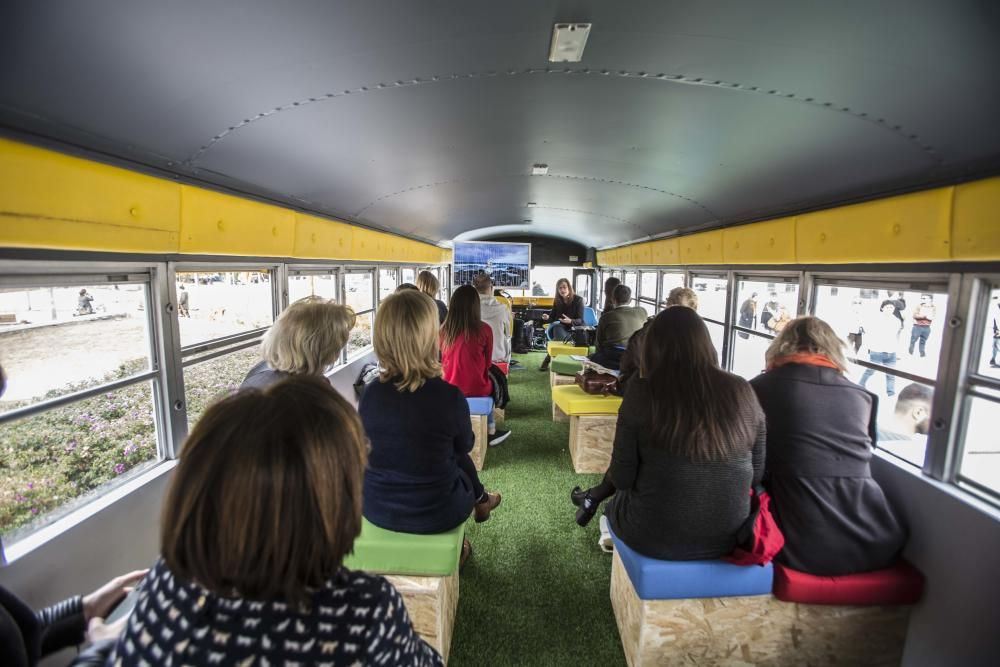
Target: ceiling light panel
x: 568, y: 42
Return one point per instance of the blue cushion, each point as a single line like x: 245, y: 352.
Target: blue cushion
x: 589, y: 316
x: 680, y: 579
x: 480, y: 405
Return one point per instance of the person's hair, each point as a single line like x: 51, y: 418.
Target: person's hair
x: 914, y: 395
x: 407, y: 286
x: 622, y: 295
x: 808, y: 334
x: 83, y: 291
x: 888, y: 302
x: 406, y: 339
x: 696, y: 405
x: 929, y: 296
x: 307, y: 336
x: 569, y: 285
x: 482, y: 282
x: 428, y: 283
x: 266, y: 500
x: 683, y: 296
x: 609, y: 288
x: 463, y: 316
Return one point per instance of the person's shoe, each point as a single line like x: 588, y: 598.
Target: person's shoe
x: 604, y: 541
x: 994, y: 364
x: 484, y: 508
x: 494, y: 439
x: 588, y: 508
x: 577, y: 495
x: 545, y: 363
x: 466, y: 553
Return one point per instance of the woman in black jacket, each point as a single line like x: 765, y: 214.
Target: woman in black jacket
x: 566, y: 313
x: 820, y: 430
x: 688, y: 447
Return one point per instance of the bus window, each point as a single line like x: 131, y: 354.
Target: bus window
x: 647, y: 290
x: 223, y: 303
x: 359, y: 294
x: 763, y: 307
x: 386, y: 283
x: 301, y: 285
x: 980, y: 462
x: 711, y: 292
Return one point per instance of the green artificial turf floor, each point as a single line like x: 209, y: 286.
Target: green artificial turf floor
x: 535, y: 591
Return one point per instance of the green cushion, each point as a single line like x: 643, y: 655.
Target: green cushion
x: 386, y: 552
x: 566, y: 365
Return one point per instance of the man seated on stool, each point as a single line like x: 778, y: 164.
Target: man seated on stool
x: 616, y: 327
x: 496, y: 315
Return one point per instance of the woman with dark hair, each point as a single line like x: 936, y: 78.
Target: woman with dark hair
x: 609, y: 290
x: 262, y: 509
x: 689, y: 446
x: 467, y: 352
x: 820, y: 430
x: 567, y: 312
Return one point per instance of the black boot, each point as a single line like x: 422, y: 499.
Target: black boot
x: 545, y: 363
x: 587, y: 504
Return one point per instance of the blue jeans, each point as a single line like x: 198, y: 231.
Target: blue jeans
x: 920, y: 332
x: 886, y: 359
x: 558, y: 332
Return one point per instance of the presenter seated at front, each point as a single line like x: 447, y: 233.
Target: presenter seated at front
x: 264, y: 504
x: 494, y: 314
x: 420, y: 478
x: 566, y: 313
x: 616, y: 328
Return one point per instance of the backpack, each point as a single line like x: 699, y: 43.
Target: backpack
x: 368, y: 374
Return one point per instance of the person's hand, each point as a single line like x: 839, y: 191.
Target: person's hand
x: 545, y: 316
x: 565, y: 320
x: 98, y: 630
x: 99, y: 604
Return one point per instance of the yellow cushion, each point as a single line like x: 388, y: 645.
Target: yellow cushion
x: 575, y: 401
x: 555, y: 349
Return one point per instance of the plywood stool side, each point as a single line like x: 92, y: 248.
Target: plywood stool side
x: 591, y: 438
x: 431, y: 603
x: 557, y: 414
x: 558, y: 379
x: 499, y: 414
x: 478, y: 452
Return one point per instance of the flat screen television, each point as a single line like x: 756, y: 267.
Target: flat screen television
x: 508, y: 264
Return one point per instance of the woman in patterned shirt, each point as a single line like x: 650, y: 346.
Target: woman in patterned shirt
x: 264, y: 504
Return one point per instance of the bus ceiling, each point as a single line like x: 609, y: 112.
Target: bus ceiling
x: 448, y: 119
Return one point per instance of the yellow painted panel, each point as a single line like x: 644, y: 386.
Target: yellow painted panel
x: 771, y: 242
x: 906, y: 228
x: 702, y: 248
x: 214, y: 223
x: 642, y: 254
x: 51, y: 200
x: 976, y: 220
x: 666, y: 251
x: 318, y: 238
x: 368, y: 245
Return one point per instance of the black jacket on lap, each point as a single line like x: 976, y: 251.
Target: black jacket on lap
x: 820, y: 429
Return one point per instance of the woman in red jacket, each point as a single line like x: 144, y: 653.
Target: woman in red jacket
x: 467, y: 352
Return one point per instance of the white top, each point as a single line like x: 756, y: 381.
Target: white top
x: 497, y: 316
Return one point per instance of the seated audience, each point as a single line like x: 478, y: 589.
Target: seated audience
x: 306, y: 339
x: 616, y: 328
x: 566, y: 313
x: 427, y: 283
x: 496, y: 315
x: 820, y: 427
x: 27, y: 636
x: 264, y: 504
x: 609, y: 290
x: 467, y: 352
x: 631, y: 358
x: 420, y: 478
x: 689, y: 446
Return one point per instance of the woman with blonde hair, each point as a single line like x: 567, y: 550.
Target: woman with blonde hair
x: 262, y: 509
x: 820, y: 430
x: 306, y: 339
x: 420, y: 478
x: 428, y: 283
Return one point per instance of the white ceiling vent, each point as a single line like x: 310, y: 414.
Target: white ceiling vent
x: 568, y: 41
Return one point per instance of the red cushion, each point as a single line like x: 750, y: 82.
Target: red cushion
x: 503, y: 366
x: 899, y: 584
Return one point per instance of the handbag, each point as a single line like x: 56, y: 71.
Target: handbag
x: 759, y: 539
x: 598, y: 384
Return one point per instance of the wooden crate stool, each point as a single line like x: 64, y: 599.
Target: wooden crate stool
x: 690, y: 612
x: 592, y: 422
x: 479, y: 409
x: 563, y: 370
x: 423, y: 568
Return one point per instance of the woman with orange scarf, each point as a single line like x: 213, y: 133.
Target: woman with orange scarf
x: 820, y: 431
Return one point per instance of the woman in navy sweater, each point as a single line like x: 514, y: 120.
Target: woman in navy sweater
x: 420, y: 478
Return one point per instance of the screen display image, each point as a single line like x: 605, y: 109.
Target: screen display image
x: 507, y: 264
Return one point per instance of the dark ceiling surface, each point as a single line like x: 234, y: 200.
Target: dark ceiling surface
x: 425, y: 118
